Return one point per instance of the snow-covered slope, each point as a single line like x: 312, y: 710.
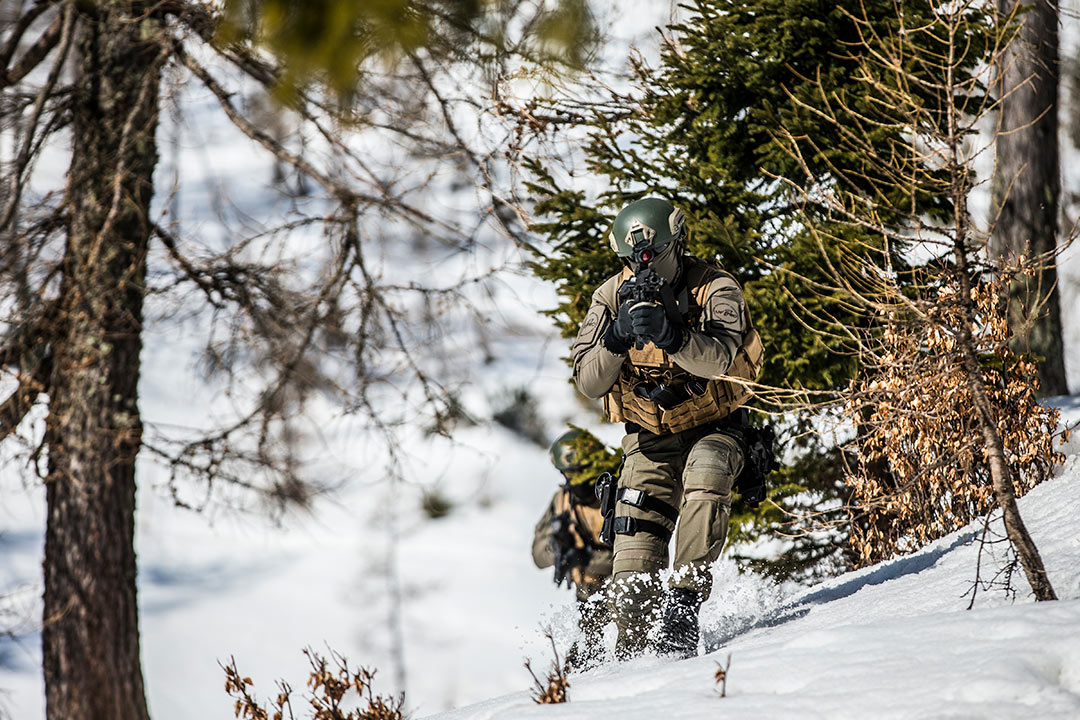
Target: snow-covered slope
x: 891, y: 641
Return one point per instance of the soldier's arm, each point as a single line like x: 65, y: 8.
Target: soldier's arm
x: 541, y: 548
x: 597, y: 357
x: 709, y: 352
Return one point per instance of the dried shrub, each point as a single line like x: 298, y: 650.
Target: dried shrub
x: 918, y: 425
x: 337, y: 692
x: 722, y: 675
x: 553, y: 689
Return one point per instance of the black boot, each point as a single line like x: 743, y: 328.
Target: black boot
x: 679, y: 623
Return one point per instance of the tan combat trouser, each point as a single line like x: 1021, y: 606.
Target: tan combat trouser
x: 692, y: 471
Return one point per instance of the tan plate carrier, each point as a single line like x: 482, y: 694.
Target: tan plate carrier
x: 651, y: 364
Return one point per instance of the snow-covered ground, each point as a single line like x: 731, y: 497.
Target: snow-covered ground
x: 893, y: 641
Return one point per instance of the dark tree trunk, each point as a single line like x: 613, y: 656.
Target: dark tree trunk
x: 1027, y: 185
x: 91, y: 632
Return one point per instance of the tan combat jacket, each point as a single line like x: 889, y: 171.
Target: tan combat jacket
x: 722, y: 349
x: 585, y: 524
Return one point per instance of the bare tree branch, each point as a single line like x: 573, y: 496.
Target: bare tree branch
x: 34, y: 54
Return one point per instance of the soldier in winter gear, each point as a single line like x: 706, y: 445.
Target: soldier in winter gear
x: 669, y: 346
x: 567, y: 537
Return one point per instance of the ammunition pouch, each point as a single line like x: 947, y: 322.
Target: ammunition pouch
x: 670, y: 396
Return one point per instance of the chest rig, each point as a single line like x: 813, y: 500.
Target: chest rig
x: 655, y: 393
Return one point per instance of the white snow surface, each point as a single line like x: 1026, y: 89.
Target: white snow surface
x: 892, y: 641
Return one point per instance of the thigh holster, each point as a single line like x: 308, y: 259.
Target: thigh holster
x: 626, y: 525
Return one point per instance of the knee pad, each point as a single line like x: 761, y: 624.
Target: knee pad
x: 700, y: 538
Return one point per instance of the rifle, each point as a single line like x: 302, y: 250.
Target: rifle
x: 645, y: 285
x: 564, y: 547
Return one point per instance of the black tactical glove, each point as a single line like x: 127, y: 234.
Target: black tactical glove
x: 619, y: 337
x: 650, y: 324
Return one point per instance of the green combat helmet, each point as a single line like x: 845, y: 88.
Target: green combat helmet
x: 575, y: 453
x: 653, y: 219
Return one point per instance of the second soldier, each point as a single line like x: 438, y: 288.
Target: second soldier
x: 567, y: 537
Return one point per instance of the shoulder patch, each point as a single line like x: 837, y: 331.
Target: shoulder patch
x: 589, y: 326
x: 724, y: 308
x: 589, y: 332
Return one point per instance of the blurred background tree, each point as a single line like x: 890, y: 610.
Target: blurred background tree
x: 1027, y: 183
x: 283, y: 324
x: 332, y: 41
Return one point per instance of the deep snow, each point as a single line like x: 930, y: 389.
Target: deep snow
x: 893, y: 641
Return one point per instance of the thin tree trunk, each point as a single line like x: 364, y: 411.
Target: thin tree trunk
x: 1001, y: 475
x: 91, y: 632
x: 1002, y: 478
x: 1027, y: 185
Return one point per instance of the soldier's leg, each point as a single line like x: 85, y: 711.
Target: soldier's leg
x: 594, y: 613
x: 594, y: 617
x: 712, y: 465
x: 635, y: 605
x: 711, y: 468
x: 645, y: 519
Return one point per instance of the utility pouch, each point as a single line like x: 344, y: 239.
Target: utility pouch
x: 759, y: 448
x: 606, y: 491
